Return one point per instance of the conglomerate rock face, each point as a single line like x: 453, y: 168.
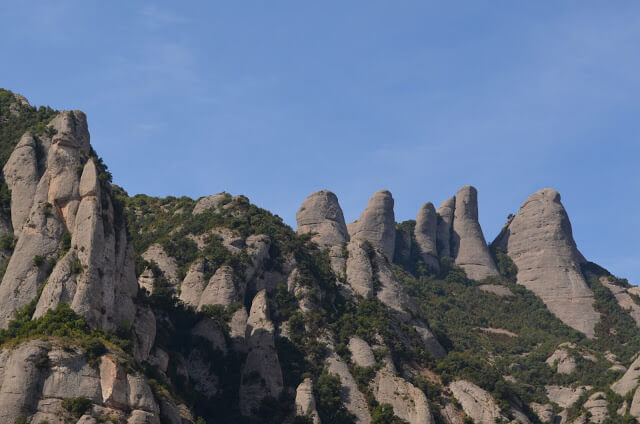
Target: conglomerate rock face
x: 540, y: 241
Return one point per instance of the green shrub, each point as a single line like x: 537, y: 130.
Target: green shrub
x: 383, y: 414
x: 38, y: 260
x: 330, y: 408
x: 8, y: 242
x: 77, y: 406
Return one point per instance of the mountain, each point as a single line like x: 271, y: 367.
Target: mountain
x: 137, y: 309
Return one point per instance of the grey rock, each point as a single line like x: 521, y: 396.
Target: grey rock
x: 445, y: 227
x: 597, y: 406
x: 21, y: 175
x: 306, y: 402
x: 359, y: 270
x: 476, y: 402
x: 563, y: 360
x: 409, y: 403
x: 540, y: 242
x: 426, y: 235
x: 431, y: 342
x: 629, y: 380
x: 321, y: 214
x: 377, y: 223
x: 209, y: 330
x: 625, y: 301
x: 565, y: 396
x: 468, y: 245
x: 144, y: 328
x: 209, y: 202
x: 168, y: 266
x: 221, y: 289
x: 351, y: 396
x: 261, y: 374
x: 361, y: 353
x: 193, y: 284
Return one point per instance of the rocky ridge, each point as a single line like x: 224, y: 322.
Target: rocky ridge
x: 147, y: 310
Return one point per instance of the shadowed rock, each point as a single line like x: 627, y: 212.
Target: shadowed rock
x: 540, y: 242
x: 445, y: 226
x: 468, y: 246
x: 377, y: 223
x: 320, y: 213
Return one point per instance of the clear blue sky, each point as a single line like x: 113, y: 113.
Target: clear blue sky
x: 275, y: 100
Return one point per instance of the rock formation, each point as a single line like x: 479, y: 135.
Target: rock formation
x: 468, y: 246
x: 321, y: 214
x: 305, y: 401
x: 377, y: 224
x: 540, y: 242
x: 426, y: 235
x: 445, y: 226
x: 95, y: 274
x: 261, y: 374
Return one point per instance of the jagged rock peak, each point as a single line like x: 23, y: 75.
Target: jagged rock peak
x: 426, y: 235
x: 540, y: 241
x: 377, y: 223
x: 321, y: 213
x: 468, y: 246
x: 445, y: 225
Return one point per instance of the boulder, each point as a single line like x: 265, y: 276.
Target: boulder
x: 540, y: 242
x: 502, y: 291
x: 468, y: 246
x: 168, y: 266
x: 321, y: 214
x: 377, y: 223
x: 426, y: 235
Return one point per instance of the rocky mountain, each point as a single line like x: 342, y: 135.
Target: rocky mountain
x: 136, y: 309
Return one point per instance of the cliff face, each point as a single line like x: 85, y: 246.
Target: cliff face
x: 146, y: 310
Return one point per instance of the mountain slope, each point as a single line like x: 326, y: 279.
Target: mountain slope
x: 145, y: 310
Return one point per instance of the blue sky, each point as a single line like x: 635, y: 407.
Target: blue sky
x: 275, y: 100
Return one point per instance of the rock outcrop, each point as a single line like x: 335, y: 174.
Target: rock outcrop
x: 409, y: 403
x: 540, y: 242
x: 71, y: 220
x: 445, y: 226
x: 321, y: 214
x: 477, y: 403
x: 426, y: 235
x: 468, y: 246
x: 36, y: 393
x: 261, y: 374
x: 351, y: 396
x: 361, y: 353
x: 377, y: 224
x: 306, y: 402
